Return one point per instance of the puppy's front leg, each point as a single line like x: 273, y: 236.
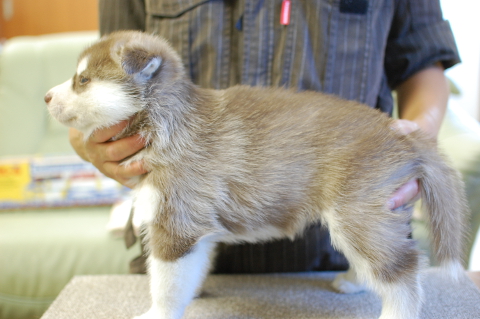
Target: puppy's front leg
x: 173, y: 284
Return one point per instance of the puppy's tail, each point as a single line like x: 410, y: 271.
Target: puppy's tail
x: 443, y: 197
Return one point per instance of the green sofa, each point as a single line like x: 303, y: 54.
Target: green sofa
x: 41, y: 250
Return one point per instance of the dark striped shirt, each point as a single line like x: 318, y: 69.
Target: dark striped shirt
x: 358, y: 50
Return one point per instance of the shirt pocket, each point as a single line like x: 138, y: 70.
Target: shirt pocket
x: 357, y: 36
x: 171, y: 9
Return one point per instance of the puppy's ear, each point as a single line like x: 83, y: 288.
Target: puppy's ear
x: 140, y: 63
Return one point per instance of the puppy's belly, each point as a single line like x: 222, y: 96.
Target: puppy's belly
x: 253, y: 236
x: 262, y: 234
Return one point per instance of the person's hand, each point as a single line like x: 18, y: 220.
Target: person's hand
x: 404, y: 127
x: 106, y: 155
x: 409, y: 191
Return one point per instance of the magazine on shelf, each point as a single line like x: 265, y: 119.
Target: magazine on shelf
x: 55, y: 181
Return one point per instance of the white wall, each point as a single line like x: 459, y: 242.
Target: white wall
x: 464, y: 17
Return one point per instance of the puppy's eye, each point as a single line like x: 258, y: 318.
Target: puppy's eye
x: 84, y: 80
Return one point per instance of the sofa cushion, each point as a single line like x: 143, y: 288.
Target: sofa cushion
x: 41, y: 250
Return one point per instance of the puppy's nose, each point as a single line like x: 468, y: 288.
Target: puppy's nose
x: 48, y: 97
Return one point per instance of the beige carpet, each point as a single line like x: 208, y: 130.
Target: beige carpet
x: 298, y: 296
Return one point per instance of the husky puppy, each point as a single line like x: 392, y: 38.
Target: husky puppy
x: 255, y: 164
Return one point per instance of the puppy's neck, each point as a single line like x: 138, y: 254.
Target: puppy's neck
x: 172, y: 120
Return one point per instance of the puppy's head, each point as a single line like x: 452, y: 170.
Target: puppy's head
x: 114, y: 79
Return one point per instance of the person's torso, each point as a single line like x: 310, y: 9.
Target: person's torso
x: 334, y: 46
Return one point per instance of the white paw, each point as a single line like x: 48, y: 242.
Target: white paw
x: 160, y: 313
x: 343, y: 283
x: 151, y: 314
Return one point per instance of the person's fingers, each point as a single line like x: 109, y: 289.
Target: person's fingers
x: 124, y: 174
x: 114, y: 151
x: 407, y: 193
x: 106, y: 155
x: 404, y: 126
x: 104, y: 134
x: 118, y: 150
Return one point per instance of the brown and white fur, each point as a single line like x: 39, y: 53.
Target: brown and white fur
x: 255, y: 164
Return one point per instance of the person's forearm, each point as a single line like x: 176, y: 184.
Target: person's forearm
x: 423, y: 99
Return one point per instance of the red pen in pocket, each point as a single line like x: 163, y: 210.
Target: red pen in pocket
x: 285, y: 12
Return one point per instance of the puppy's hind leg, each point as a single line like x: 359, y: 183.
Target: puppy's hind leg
x: 348, y: 282
x: 174, y: 283
x: 395, y: 279
x: 378, y: 248
x: 402, y: 298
